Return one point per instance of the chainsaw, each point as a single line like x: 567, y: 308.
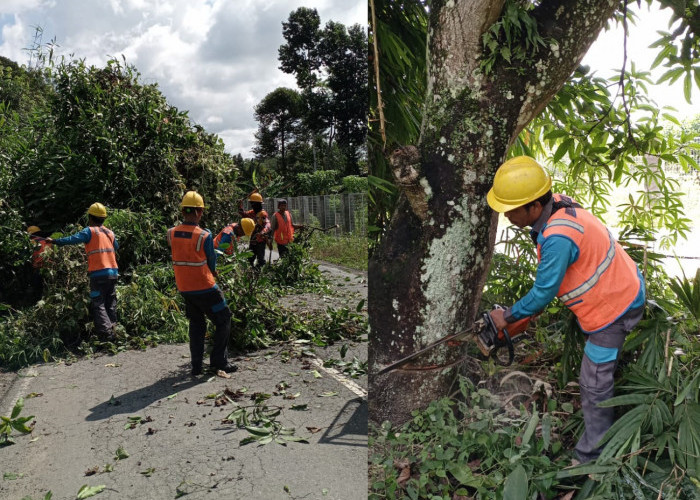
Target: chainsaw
x: 488, y: 338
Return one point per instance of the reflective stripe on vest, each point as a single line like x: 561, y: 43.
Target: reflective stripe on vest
x: 593, y: 280
x: 100, y: 249
x: 285, y: 230
x: 189, y: 258
x: 603, y: 282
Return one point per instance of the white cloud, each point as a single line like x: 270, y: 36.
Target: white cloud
x: 214, y: 58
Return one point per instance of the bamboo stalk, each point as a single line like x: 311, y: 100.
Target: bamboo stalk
x: 380, y: 105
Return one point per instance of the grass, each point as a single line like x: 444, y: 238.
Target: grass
x: 349, y: 251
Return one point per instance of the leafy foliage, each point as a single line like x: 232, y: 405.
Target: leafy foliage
x: 514, y: 37
x: 319, y: 182
x: 399, y: 33
x: 14, y: 423
x: 355, y: 184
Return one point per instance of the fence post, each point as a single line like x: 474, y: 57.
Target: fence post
x: 322, y: 210
x: 347, y: 213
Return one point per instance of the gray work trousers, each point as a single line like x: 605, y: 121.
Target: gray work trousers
x: 597, y: 384
x: 210, y: 305
x: 103, y: 302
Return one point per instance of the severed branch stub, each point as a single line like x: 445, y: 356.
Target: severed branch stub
x: 405, y: 165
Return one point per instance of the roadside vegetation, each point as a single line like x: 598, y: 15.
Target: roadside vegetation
x: 348, y: 250
x: 71, y: 135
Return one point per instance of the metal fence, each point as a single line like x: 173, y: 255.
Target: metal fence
x: 348, y: 211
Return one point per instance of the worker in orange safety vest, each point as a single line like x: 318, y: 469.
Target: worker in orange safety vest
x: 194, y: 262
x: 581, y: 263
x: 101, y: 246
x: 224, y: 240
x: 282, y: 227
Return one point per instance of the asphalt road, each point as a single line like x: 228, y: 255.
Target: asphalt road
x: 186, y: 442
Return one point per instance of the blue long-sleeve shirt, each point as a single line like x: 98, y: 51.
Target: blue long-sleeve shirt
x: 557, y: 253
x: 82, y: 237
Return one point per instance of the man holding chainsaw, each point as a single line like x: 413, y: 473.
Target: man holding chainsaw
x: 261, y: 232
x: 580, y: 262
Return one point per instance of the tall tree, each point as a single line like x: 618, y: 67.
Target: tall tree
x: 344, y: 53
x: 330, y: 67
x: 279, y: 116
x: 492, y: 68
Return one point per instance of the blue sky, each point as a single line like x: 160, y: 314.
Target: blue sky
x: 215, y: 58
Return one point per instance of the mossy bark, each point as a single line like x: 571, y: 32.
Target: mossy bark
x: 427, y: 275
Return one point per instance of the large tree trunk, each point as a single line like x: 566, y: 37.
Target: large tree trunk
x: 427, y: 275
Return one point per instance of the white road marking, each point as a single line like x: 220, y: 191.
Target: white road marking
x: 340, y: 378
x: 18, y: 388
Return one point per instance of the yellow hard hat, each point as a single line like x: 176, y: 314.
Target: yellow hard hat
x: 98, y: 210
x: 248, y: 225
x: 192, y: 199
x: 255, y: 197
x: 33, y: 229
x: 518, y: 181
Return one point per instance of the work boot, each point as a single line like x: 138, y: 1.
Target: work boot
x: 229, y: 368
x: 196, y: 370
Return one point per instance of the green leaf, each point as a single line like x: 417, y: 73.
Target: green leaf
x: 627, y: 399
x: 546, y: 430
x: 516, y: 486
x: 89, y: 491
x: 121, y: 454
x: 18, y: 408
x: 258, y: 431
x: 561, y: 150
x: 585, y: 469
x: 531, y: 426
x: 464, y: 475
x: 693, y: 384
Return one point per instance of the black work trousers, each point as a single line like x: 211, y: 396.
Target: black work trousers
x: 258, y: 249
x: 212, y: 305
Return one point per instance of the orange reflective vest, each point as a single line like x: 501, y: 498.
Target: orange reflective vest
x: 189, y: 259
x: 37, y: 257
x: 227, y: 230
x: 100, y: 249
x: 285, y: 230
x: 603, y: 282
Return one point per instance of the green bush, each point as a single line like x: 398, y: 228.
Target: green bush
x: 141, y: 236
x: 317, y: 183
x: 355, y: 184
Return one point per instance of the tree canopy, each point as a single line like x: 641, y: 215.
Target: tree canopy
x: 330, y: 68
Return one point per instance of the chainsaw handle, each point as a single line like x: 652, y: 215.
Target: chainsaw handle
x: 515, y: 329
x: 506, y: 334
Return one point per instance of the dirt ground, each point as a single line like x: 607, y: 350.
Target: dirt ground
x: 349, y: 288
